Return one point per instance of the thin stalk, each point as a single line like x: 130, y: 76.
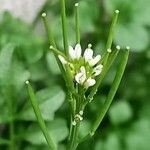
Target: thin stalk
x: 58, y: 52
x: 106, y: 68
x: 77, y: 23
x: 48, y: 30
x: 4, y: 142
x: 110, y: 96
x: 50, y: 142
x: 64, y: 26
x: 112, y: 29
x: 73, y: 141
x: 74, y: 137
x: 11, y: 127
x: 52, y: 42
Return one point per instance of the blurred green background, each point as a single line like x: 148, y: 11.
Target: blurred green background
x: 24, y: 55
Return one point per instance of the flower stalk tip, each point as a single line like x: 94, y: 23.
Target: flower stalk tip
x: 109, y: 50
x: 27, y: 82
x: 117, y: 11
x: 118, y: 47
x: 44, y: 15
x: 76, y: 4
x: 128, y: 47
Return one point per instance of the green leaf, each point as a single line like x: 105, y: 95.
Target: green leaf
x: 19, y: 75
x: 99, y: 145
x: 131, y: 25
x: 133, y: 35
x: 49, y: 100
x: 120, y: 112
x: 84, y: 128
x: 112, y: 142
x: 138, y: 136
x: 5, y: 60
x: 89, y: 11
x: 52, y: 63
x: 57, y: 128
x: 137, y: 12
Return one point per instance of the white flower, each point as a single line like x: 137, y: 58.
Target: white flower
x: 109, y: 50
x: 89, y: 82
x: 95, y: 60
x: 81, y: 112
x: 62, y: 59
x: 74, y: 123
x: 75, y: 53
x: 97, y: 70
x: 77, y: 116
x: 88, y: 56
x: 81, y: 76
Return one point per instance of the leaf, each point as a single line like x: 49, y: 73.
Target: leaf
x: 19, y: 75
x: 138, y: 136
x: 5, y: 60
x: 133, y: 35
x: 131, y: 25
x: 49, y: 101
x: 112, y: 142
x: 52, y: 63
x: 120, y: 112
x: 99, y: 145
x: 57, y: 129
x: 84, y: 128
x: 89, y: 11
x: 28, y: 44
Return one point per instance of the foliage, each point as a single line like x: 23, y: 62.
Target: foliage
x: 24, y: 55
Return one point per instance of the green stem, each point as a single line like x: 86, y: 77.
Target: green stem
x: 64, y: 26
x: 52, y: 42
x: 112, y: 29
x: 73, y: 143
x: 100, y: 78
x: 77, y: 23
x: 39, y: 117
x: 4, y: 142
x: 11, y: 128
x: 110, y: 96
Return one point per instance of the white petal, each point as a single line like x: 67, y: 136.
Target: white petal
x: 78, y: 51
x: 97, y: 70
x: 82, y: 69
x: 89, y: 82
x: 95, y: 60
x: 81, y: 76
x: 62, y: 59
x: 81, y: 112
x: 72, y: 52
x: 74, y: 123
x: 88, y: 54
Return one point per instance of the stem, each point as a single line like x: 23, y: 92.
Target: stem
x: 48, y: 30
x: 106, y: 68
x: 112, y: 29
x: 73, y: 140
x: 64, y: 26
x: 52, y: 42
x: 77, y: 23
x: 4, y: 142
x: 39, y: 117
x: 110, y: 96
x: 11, y: 129
x: 73, y: 143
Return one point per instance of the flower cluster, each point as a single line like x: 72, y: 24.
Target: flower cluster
x: 84, y: 68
